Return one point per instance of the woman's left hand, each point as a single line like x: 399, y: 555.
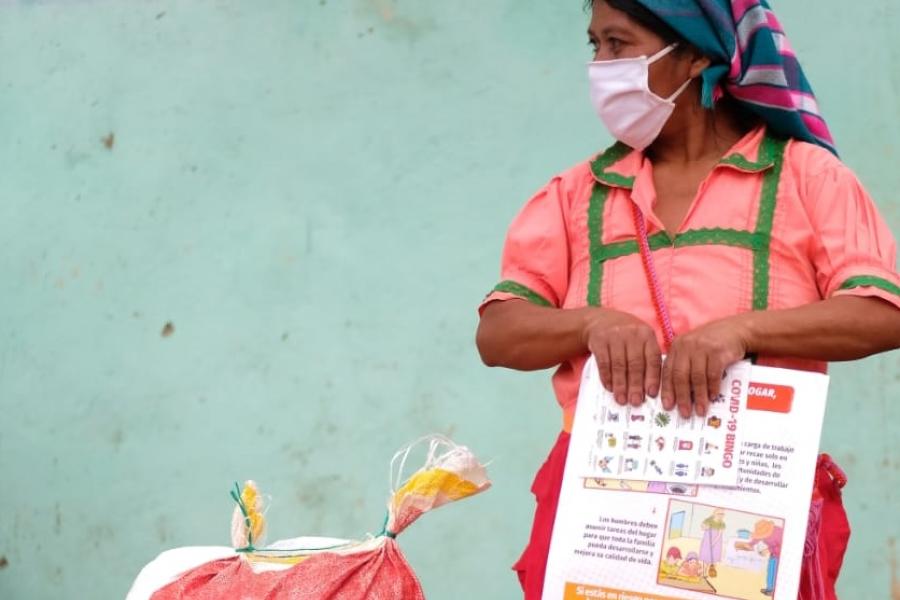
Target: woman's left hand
x: 693, y: 369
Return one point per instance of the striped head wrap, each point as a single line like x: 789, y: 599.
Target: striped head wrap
x: 752, y: 61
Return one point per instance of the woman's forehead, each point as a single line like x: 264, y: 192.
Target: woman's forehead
x: 606, y: 20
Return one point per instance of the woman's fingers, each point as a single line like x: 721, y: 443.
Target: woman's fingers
x: 667, y: 393
x: 628, y: 358
x: 681, y: 384
x: 653, y: 367
x: 691, y: 380
x: 678, y: 381
x: 618, y: 361
x: 601, y: 353
x: 634, y: 352
x: 699, y: 384
x: 714, y: 371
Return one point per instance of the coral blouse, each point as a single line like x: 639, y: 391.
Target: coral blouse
x: 776, y: 224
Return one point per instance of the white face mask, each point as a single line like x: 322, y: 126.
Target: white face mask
x: 620, y: 93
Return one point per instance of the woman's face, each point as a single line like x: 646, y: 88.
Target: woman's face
x: 614, y: 35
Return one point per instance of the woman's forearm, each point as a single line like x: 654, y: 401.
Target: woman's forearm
x: 519, y: 335
x: 837, y: 329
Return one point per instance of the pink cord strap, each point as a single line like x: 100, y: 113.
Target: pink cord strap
x: 659, y: 301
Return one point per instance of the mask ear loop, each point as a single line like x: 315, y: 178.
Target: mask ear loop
x: 680, y: 90
x: 664, y: 52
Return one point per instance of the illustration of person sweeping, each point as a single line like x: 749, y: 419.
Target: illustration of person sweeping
x: 711, y: 544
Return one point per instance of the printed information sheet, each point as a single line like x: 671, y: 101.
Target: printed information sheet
x: 649, y: 443
x: 644, y: 535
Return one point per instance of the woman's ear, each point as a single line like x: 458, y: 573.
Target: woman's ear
x: 699, y: 63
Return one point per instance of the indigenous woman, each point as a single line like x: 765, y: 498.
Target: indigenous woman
x: 721, y: 225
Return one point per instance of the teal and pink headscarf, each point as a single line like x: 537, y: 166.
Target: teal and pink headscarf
x: 752, y: 61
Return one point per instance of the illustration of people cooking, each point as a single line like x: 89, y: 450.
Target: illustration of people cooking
x: 766, y: 540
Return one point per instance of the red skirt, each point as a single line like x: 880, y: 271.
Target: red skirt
x: 827, y: 537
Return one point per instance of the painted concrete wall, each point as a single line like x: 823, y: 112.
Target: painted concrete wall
x: 313, y: 195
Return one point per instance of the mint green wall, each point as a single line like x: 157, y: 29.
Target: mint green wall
x: 314, y: 193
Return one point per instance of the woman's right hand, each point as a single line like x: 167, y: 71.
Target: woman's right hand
x: 628, y: 355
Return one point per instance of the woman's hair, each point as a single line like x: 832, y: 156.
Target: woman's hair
x: 645, y: 17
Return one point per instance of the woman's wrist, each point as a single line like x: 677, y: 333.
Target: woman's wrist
x: 593, y: 317
x: 590, y: 317
x: 747, y: 329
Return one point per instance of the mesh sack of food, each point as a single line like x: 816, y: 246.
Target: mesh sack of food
x: 316, y: 568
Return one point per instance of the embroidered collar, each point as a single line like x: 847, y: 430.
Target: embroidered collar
x: 619, y: 165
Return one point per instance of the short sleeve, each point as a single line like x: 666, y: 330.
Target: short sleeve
x: 854, y: 252
x: 535, y: 263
